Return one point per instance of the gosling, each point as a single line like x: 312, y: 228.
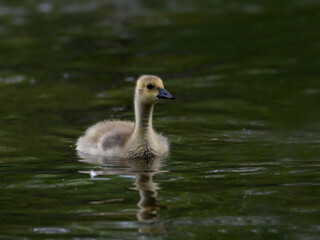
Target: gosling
x: 123, y: 139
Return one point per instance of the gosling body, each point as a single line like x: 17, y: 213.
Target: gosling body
x: 123, y: 139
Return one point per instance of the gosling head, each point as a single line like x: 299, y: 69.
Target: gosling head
x: 150, y: 89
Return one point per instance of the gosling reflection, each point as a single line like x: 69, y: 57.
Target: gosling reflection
x: 144, y: 170
x: 148, y: 204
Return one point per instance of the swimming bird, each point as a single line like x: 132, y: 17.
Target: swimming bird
x: 123, y: 139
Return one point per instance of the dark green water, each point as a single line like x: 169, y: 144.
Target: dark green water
x: 244, y: 129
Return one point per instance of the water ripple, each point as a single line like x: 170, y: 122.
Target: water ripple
x: 12, y: 79
x: 51, y: 230
x: 238, y: 170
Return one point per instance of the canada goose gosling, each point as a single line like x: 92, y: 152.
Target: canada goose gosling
x: 126, y: 139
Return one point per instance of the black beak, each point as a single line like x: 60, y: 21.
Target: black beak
x: 165, y: 94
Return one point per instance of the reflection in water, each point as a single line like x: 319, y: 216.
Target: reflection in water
x: 144, y: 170
x: 148, y: 197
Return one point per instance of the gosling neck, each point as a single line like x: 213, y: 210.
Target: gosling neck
x: 143, y: 117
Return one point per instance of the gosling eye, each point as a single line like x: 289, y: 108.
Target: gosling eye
x: 150, y: 86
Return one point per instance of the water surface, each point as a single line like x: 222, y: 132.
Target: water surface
x: 244, y: 129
